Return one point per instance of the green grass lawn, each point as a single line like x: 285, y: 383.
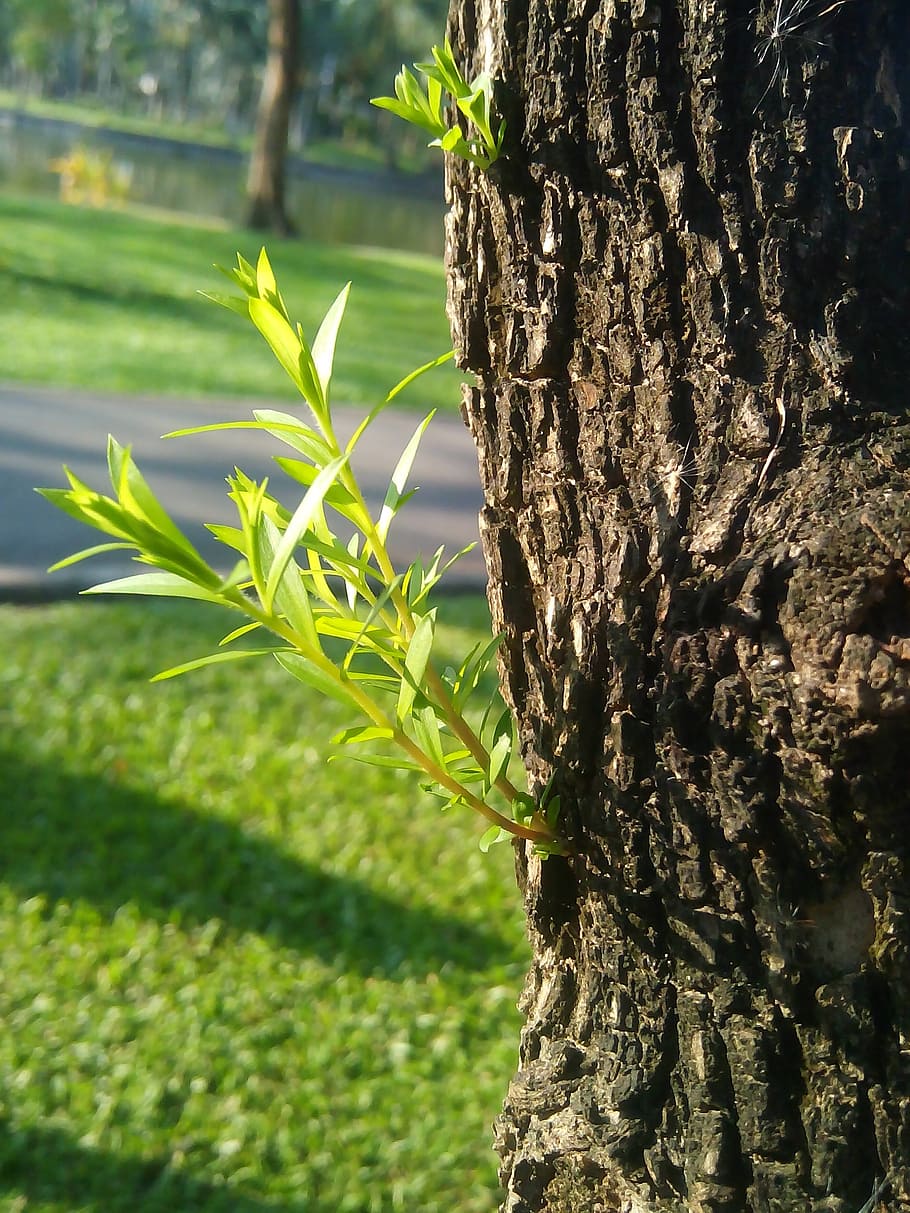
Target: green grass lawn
x: 108, y: 300
x: 236, y: 977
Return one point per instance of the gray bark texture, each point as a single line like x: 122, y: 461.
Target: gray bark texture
x: 265, y: 188
x: 684, y: 295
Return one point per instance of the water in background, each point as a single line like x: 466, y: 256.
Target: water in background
x: 337, y: 208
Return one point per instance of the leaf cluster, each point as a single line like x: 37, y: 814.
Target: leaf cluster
x: 426, y: 109
x: 319, y: 583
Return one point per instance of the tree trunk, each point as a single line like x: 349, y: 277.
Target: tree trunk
x: 265, y: 182
x: 684, y: 294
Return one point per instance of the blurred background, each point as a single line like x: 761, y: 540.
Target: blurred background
x: 81, y: 81
x: 236, y: 976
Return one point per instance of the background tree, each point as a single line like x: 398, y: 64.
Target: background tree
x: 684, y: 295
x: 265, y: 181
x: 34, y: 36
x: 203, y: 60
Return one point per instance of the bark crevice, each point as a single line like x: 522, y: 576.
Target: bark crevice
x: 691, y: 421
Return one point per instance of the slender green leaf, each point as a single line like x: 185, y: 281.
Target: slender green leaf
x: 248, y: 496
x: 434, y: 102
x: 300, y: 521
x: 444, y: 69
x: 492, y: 836
x: 378, y: 682
x: 282, y: 339
x: 415, y: 663
x: 475, y: 666
x: 93, y: 510
x: 401, y: 109
x: 294, y: 433
x: 290, y: 594
x: 384, y: 760
x: 476, y: 107
x: 158, y: 585
x: 373, y: 613
x: 76, y: 483
x: 319, y: 680
x: 117, y: 455
x: 315, y: 397
x: 352, y: 587
x: 86, y: 552
x: 233, y: 303
x: 214, y: 659
x: 238, y: 632
x: 421, y: 370
x: 523, y: 808
x: 266, y: 286
x: 361, y: 734
x: 413, y: 581
x: 395, y: 493
x: 326, y: 338
x: 338, y: 497
x: 230, y: 536
x: 340, y: 562
x: 395, y: 391
x: 426, y: 725
x: 434, y: 574
x: 377, y: 638
x: 283, y: 426
x: 451, y: 140
x: 315, y: 573
x: 136, y: 497
x: 243, y: 274
x: 499, y: 756
x: 410, y: 103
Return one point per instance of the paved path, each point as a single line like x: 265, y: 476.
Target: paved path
x: 42, y: 428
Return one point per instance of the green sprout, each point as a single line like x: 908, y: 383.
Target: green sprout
x: 425, y: 109
x: 340, y: 617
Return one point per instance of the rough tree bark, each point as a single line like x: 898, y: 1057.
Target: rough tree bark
x: 265, y: 192
x: 684, y: 295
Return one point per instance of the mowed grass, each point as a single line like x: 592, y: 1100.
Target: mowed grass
x: 236, y: 977
x: 109, y: 300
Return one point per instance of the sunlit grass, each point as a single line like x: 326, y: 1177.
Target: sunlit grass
x: 109, y: 300
x: 236, y: 977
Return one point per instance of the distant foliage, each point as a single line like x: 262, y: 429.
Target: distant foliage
x: 202, y: 59
x: 92, y: 178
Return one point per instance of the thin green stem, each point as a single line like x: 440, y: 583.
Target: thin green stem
x: 373, y: 712
x: 454, y: 718
x: 444, y: 779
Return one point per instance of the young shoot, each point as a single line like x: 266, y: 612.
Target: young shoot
x: 425, y: 109
x: 332, y: 611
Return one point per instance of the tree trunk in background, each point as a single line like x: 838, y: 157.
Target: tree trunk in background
x: 685, y: 297
x: 265, y: 181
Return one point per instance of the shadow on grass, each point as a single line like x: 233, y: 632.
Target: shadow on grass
x: 126, y: 297
x: 46, y: 1164
x: 67, y: 837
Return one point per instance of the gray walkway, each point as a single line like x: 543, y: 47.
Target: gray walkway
x: 42, y: 428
